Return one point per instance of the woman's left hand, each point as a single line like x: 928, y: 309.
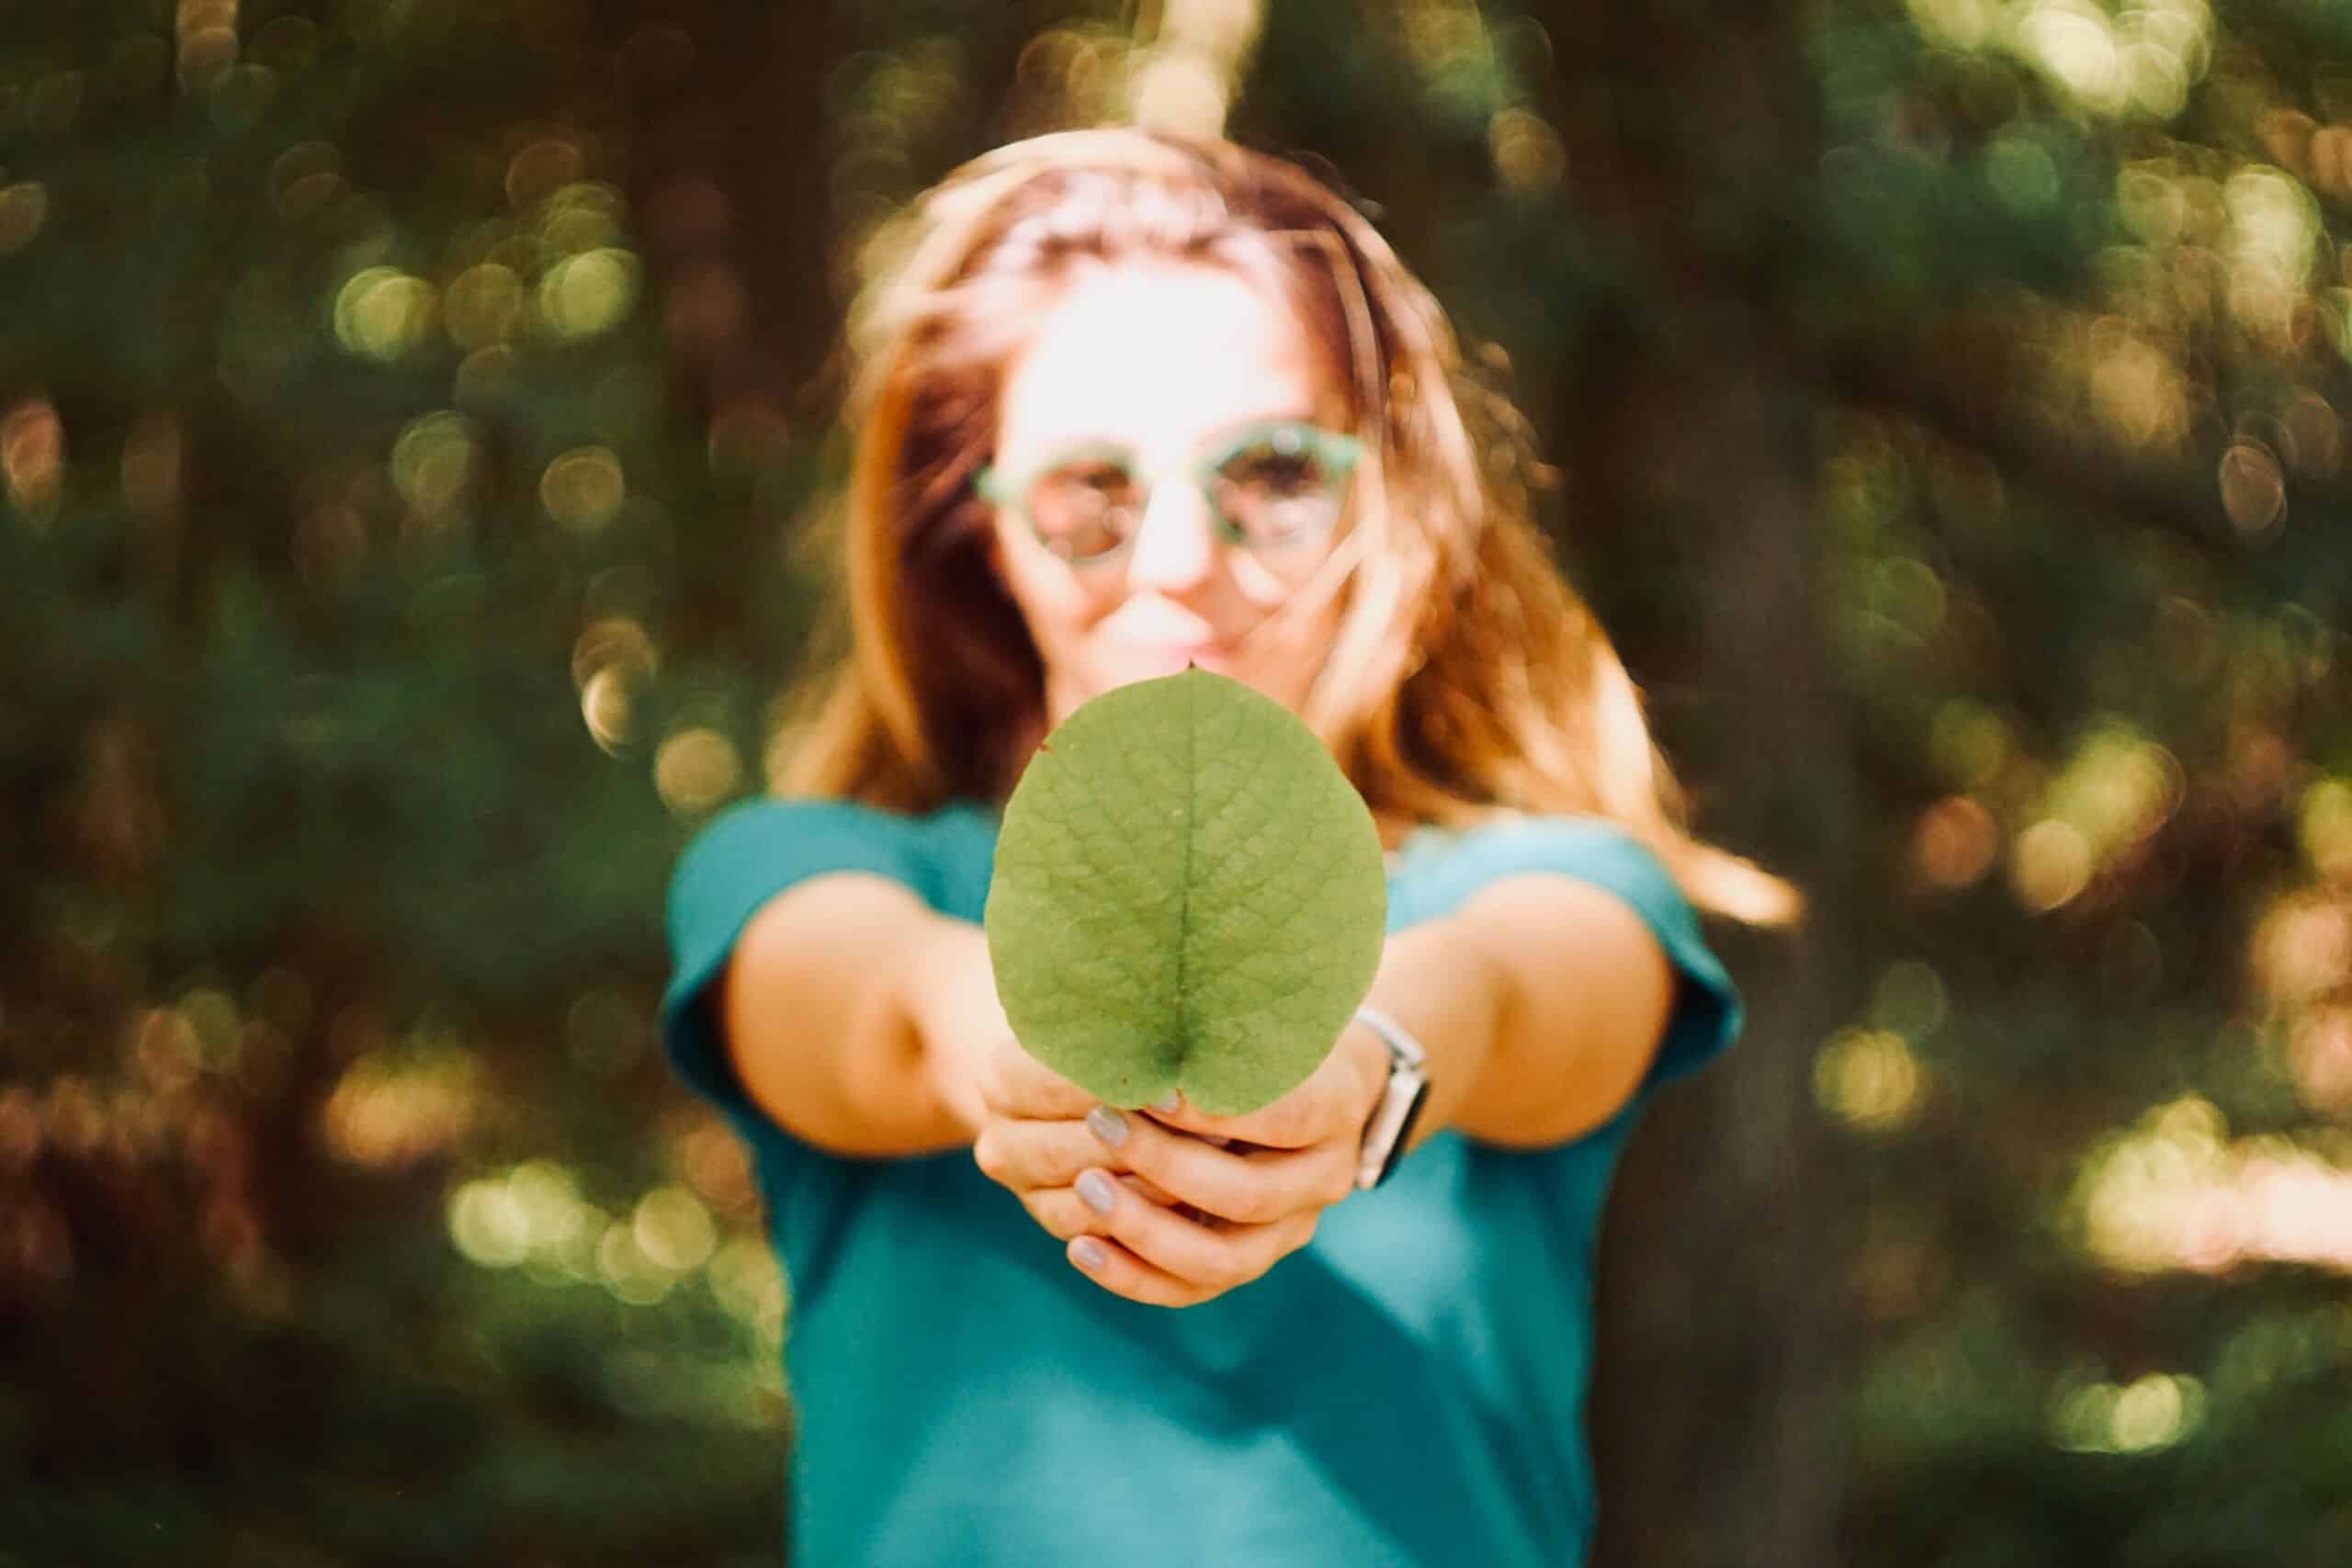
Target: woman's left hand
x: 1257, y: 1201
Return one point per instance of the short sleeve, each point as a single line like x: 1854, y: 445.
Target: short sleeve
x: 743, y: 860
x: 1708, y: 1011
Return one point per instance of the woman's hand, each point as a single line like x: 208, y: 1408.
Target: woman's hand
x: 1032, y: 1130
x: 1153, y: 1206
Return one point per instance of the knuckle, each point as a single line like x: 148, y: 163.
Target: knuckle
x: 988, y: 1152
x: 1165, y: 1165
x: 1151, y: 1191
x: 1226, y: 1272
x: 1062, y: 1162
x: 1256, y: 1206
x: 1140, y: 1154
x: 1341, y: 1184
x: 1223, y: 1197
x: 1055, y: 1218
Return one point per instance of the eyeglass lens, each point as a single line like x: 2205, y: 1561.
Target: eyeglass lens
x: 1277, y: 489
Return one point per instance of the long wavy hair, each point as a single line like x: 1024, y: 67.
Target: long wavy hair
x: 1468, y: 680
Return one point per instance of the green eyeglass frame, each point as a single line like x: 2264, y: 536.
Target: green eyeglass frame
x: 1334, y: 452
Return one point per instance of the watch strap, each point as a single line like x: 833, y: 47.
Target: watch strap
x: 1400, y: 1103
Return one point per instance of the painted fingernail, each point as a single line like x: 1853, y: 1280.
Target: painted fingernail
x: 1107, y: 1124
x: 1088, y: 1251
x: 1096, y: 1188
x: 1168, y: 1101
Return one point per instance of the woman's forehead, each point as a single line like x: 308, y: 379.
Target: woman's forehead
x: 1158, y: 356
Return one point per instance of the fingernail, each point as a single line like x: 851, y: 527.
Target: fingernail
x: 1088, y: 1251
x: 1107, y: 1124
x: 1168, y: 1101
x: 1096, y: 1188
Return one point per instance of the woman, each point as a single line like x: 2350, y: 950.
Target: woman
x: 1123, y: 403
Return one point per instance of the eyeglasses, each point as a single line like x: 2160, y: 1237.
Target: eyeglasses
x: 1270, y: 486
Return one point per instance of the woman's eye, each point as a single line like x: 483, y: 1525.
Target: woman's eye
x: 1105, y: 479
x: 1104, y: 484
x: 1085, y: 506
x: 1274, y: 473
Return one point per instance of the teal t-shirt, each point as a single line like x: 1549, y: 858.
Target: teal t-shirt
x: 1408, y: 1389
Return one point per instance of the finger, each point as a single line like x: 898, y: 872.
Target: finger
x: 1151, y: 1191
x: 1014, y: 1083
x: 1022, y: 1154
x: 1334, y: 1098
x: 1252, y: 1189
x: 1062, y: 1213
x: 1122, y: 1273
x: 1216, y: 1258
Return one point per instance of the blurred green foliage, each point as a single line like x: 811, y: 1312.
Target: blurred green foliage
x: 410, y: 415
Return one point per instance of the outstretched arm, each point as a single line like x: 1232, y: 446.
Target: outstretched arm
x: 822, y: 1007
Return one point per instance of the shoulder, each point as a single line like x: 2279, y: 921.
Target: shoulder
x: 751, y: 826
x: 760, y: 832
x: 1600, y: 853
x: 1598, y: 849
x: 754, y: 851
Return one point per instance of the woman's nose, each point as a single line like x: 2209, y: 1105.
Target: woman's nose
x: 1175, y: 546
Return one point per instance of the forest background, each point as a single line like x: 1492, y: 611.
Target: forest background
x: 413, y: 415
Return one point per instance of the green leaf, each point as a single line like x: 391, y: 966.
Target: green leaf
x: 1189, y: 894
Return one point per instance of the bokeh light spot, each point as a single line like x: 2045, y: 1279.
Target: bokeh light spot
x: 1955, y: 843
x: 2048, y: 864
x: 2152, y: 1413
x: 584, y: 488
x: 581, y: 217
x: 607, y: 707
x: 696, y: 769
x: 673, y: 1230
x: 1870, y: 1080
x: 540, y: 168
x: 33, y: 456
x: 392, y: 1108
x: 585, y: 295
x: 383, y: 314
x: 488, y: 1225
x: 483, y: 305
x: 23, y: 209
x: 433, y: 461
x: 1909, y: 999
x: 2021, y: 174
x: 2302, y: 947
x: 1529, y: 156
x: 1970, y: 744
x: 2324, y: 823
x: 2321, y: 1055
x: 749, y: 1285
x: 631, y: 1275
x: 2254, y: 487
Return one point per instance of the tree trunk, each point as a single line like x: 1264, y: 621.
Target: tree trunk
x: 1724, y: 1366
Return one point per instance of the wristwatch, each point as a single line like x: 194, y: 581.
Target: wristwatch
x: 1400, y: 1105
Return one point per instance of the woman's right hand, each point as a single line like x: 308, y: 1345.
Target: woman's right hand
x: 1027, y: 1121
x: 1067, y: 1157
x: 1035, y: 1138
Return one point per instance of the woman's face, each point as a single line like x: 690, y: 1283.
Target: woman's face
x: 1162, y: 363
